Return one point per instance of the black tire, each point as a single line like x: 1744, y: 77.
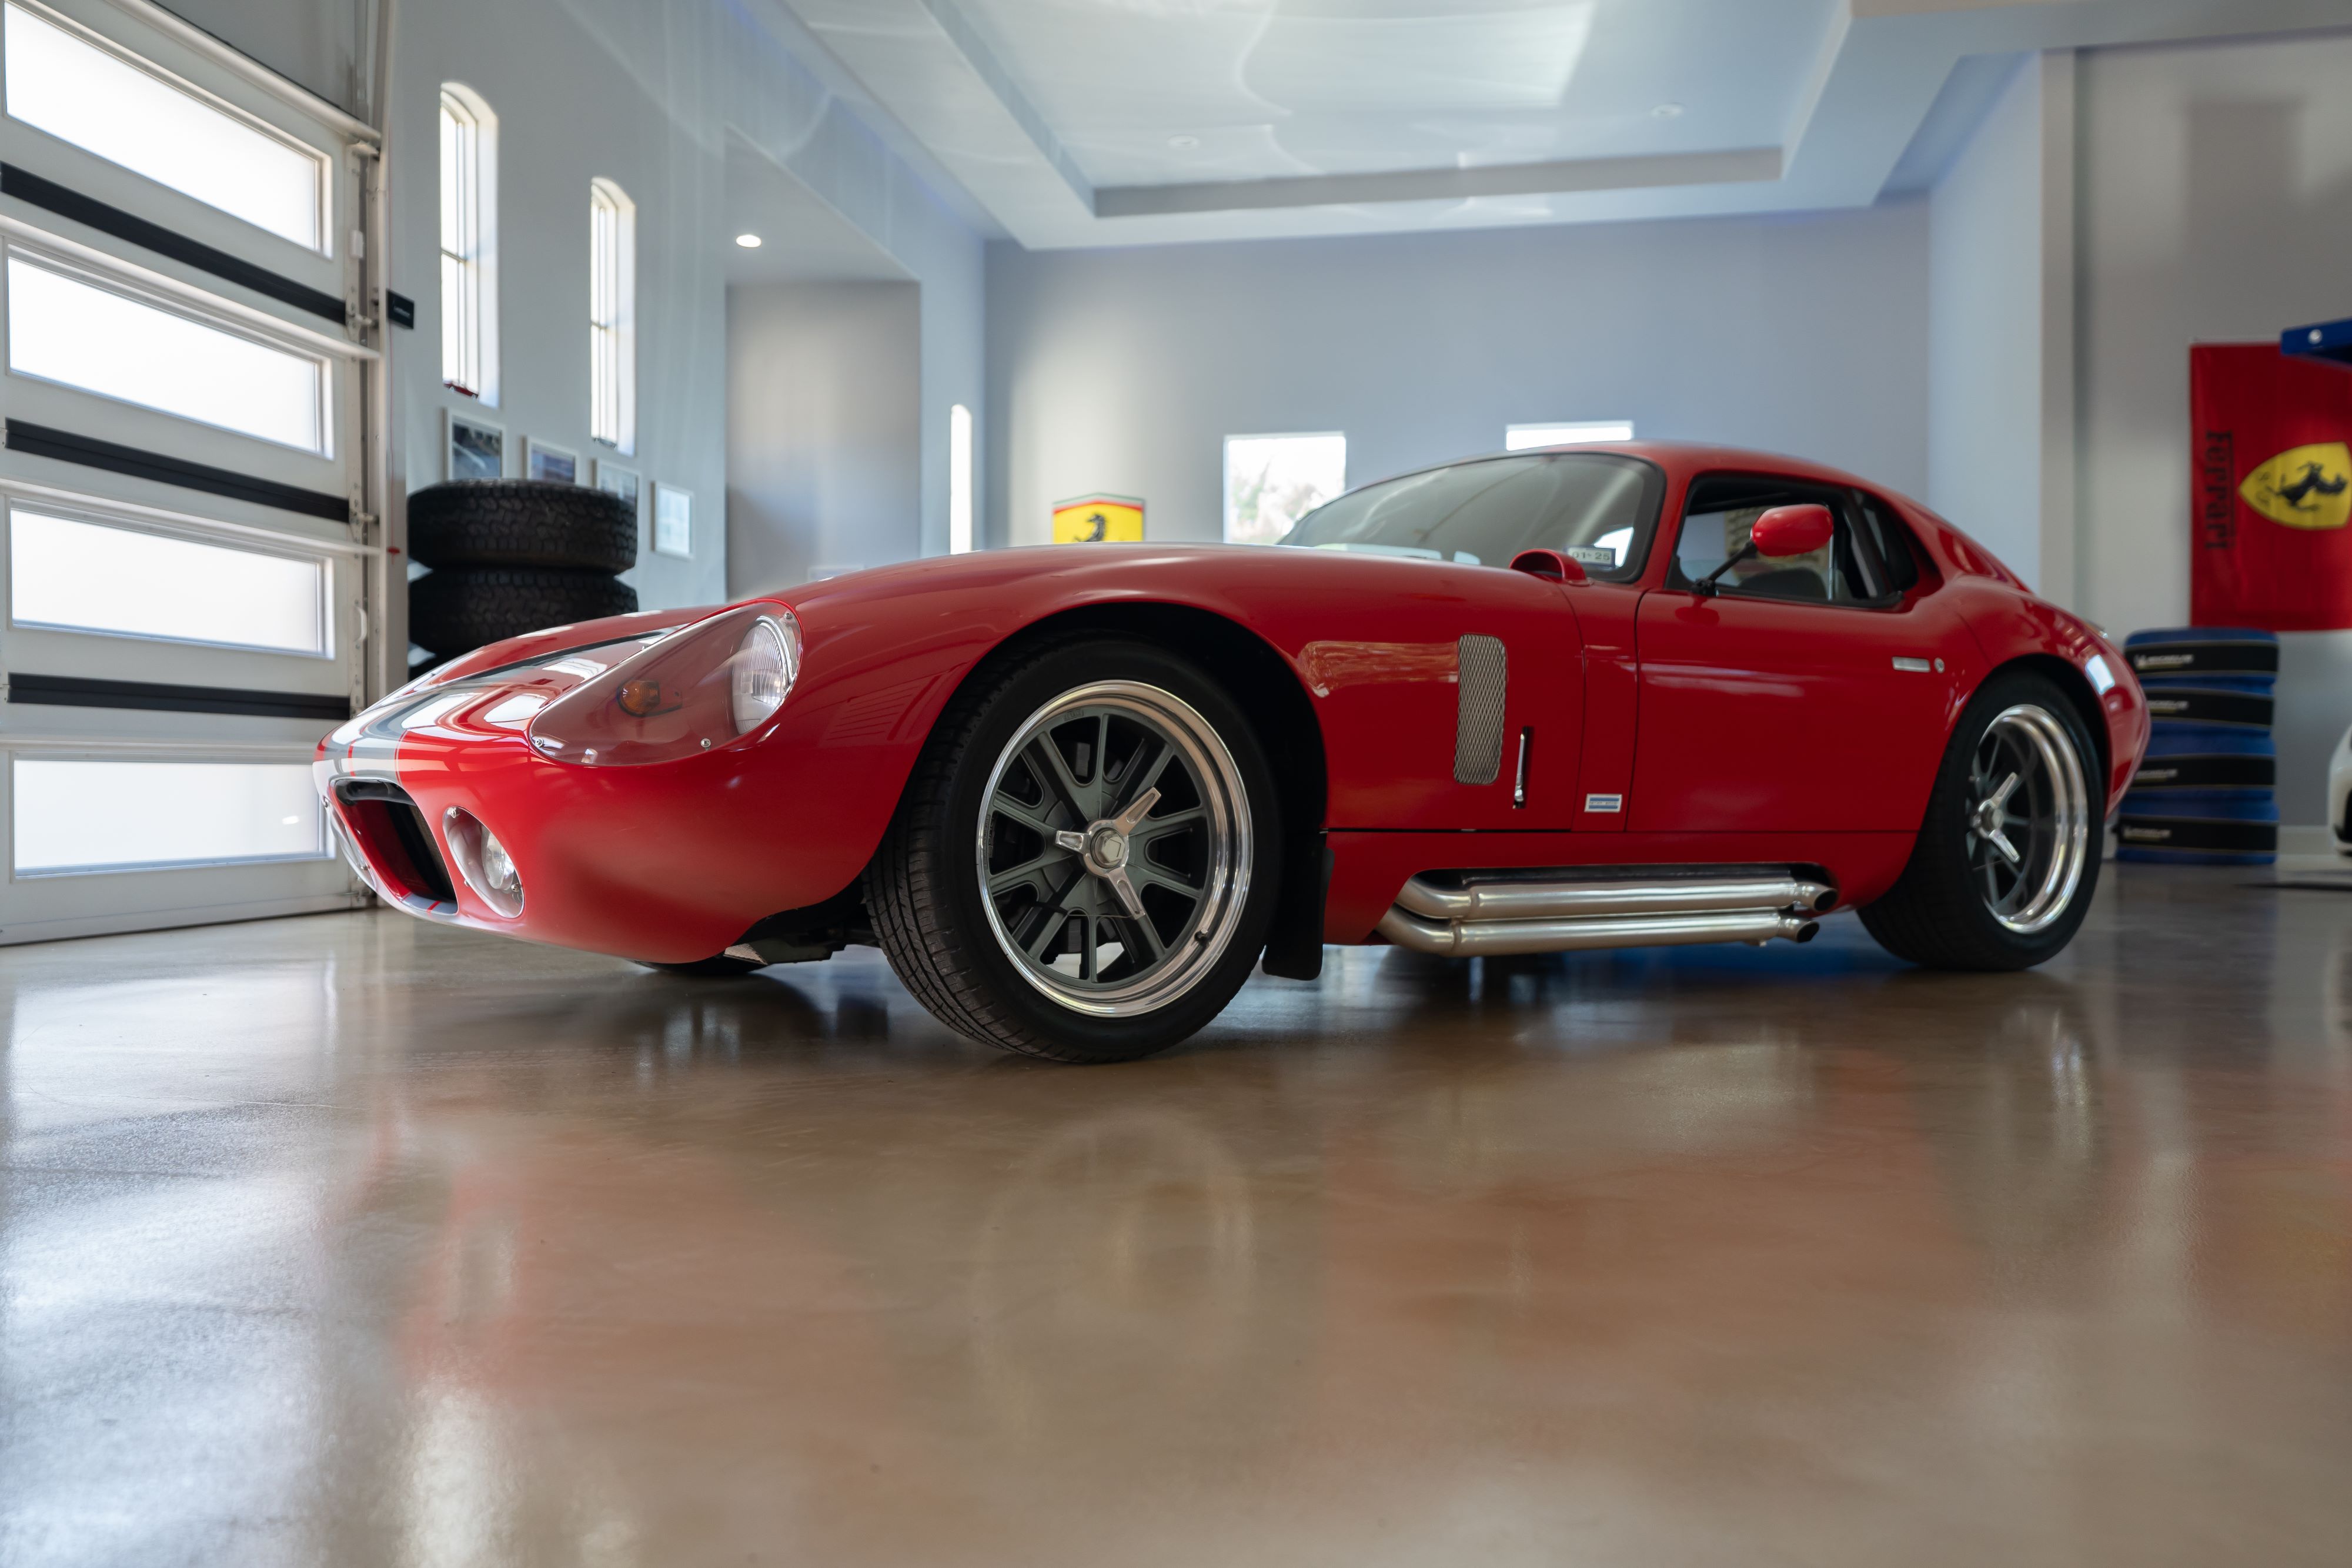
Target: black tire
x: 723, y: 967
x: 939, y: 930
x: 460, y: 608
x: 521, y: 522
x: 1940, y: 912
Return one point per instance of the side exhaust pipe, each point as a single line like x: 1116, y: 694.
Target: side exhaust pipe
x: 1520, y: 900
x: 1463, y: 918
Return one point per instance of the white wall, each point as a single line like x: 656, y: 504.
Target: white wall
x: 2000, y: 399
x: 1124, y: 370
x: 823, y: 417
x: 2216, y: 207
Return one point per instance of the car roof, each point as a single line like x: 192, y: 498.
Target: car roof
x: 1679, y: 459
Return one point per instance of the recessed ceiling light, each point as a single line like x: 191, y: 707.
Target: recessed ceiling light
x: 749, y: 241
x: 1183, y: 144
x: 1667, y: 111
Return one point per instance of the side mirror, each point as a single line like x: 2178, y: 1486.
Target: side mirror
x: 1790, y: 530
x: 1549, y: 564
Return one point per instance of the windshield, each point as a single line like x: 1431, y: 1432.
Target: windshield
x: 1596, y: 508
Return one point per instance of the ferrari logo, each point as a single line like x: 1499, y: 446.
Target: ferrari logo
x: 2304, y: 488
x: 1093, y: 520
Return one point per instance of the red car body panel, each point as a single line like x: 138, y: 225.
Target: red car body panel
x: 1735, y: 731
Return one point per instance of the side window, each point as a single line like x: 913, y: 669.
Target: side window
x: 1722, y: 508
x: 1883, y: 534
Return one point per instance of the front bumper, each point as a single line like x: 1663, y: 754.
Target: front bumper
x: 668, y: 862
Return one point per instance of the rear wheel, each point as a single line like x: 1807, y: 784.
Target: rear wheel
x: 2008, y: 857
x: 1084, y: 863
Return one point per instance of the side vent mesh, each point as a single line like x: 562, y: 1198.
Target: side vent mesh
x: 1478, y: 720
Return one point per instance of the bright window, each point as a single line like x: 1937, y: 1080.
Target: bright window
x: 89, y: 577
x: 73, y: 816
x: 469, y: 358
x: 1272, y: 481
x: 109, y: 341
x: 1519, y: 437
x: 958, y: 479
x: 612, y: 315
x: 79, y: 90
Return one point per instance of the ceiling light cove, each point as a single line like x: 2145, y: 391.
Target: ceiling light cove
x: 1070, y: 120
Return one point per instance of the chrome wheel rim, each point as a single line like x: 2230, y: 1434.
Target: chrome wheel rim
x: 1114, y: 849
x: 2029, y: 819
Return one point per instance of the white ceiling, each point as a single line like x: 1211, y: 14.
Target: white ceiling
x: 1075, y: 122
x: 1355, y: 87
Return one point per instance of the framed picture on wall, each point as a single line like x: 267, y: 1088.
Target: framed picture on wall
x: 474, y: 450
x: 615, y: 480
x: 553, y: 464
x: 673, y: 520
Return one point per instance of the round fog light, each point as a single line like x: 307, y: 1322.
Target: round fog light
x: 484, y: 863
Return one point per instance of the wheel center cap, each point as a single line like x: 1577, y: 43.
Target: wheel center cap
x: 1987, y: 816
x: 1105, y: 849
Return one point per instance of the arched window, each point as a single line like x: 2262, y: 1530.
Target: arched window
x: 612, y: 316
x: 469, y: 333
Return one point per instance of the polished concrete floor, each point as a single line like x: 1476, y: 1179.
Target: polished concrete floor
x: 352, y: 1240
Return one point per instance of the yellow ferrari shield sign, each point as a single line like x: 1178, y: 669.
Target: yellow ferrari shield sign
x: 1093, y: 520
x: 2303, y: 486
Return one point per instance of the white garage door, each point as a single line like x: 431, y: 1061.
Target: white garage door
x: 190, y: 398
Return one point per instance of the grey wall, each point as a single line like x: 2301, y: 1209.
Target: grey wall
x: 1125, y: 370
x: 824, y: 430
x: 2000, y: 434
x: 2216, y: 207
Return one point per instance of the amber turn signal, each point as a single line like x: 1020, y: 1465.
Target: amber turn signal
x: 642, y: 698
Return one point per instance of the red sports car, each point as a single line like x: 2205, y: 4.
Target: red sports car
x: 1587, y: 698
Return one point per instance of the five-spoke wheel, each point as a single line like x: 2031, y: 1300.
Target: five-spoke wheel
x: 2008, y: 857
x: 2029, y: 825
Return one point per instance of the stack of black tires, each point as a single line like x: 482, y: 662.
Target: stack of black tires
x: 510, y: 556
x: 2207, y: 792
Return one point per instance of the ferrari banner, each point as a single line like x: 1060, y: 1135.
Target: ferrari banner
x: 2272, y: 477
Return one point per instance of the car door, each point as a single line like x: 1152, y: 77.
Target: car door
x: 1492, y: 660
x: 1810, y: 695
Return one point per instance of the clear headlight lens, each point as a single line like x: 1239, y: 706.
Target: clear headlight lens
x: 483, y: 862
x: 765, y: 661
x: 701, y: 687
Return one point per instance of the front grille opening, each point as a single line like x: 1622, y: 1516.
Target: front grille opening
x: 391, y: 831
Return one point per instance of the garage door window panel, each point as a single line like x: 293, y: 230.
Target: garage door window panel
x: 66, y: 82
x: 1596, y: 508
x: 74, y: 574
x: 103, y: 337
x: 74, y: 817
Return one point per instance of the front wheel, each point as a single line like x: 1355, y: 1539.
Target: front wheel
x: 2008, y: 857
x: 1084, y: 863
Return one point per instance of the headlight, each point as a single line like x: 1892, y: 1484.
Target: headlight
x: 701, y: 687
x: 765, y: 662
x: 483, y: 862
